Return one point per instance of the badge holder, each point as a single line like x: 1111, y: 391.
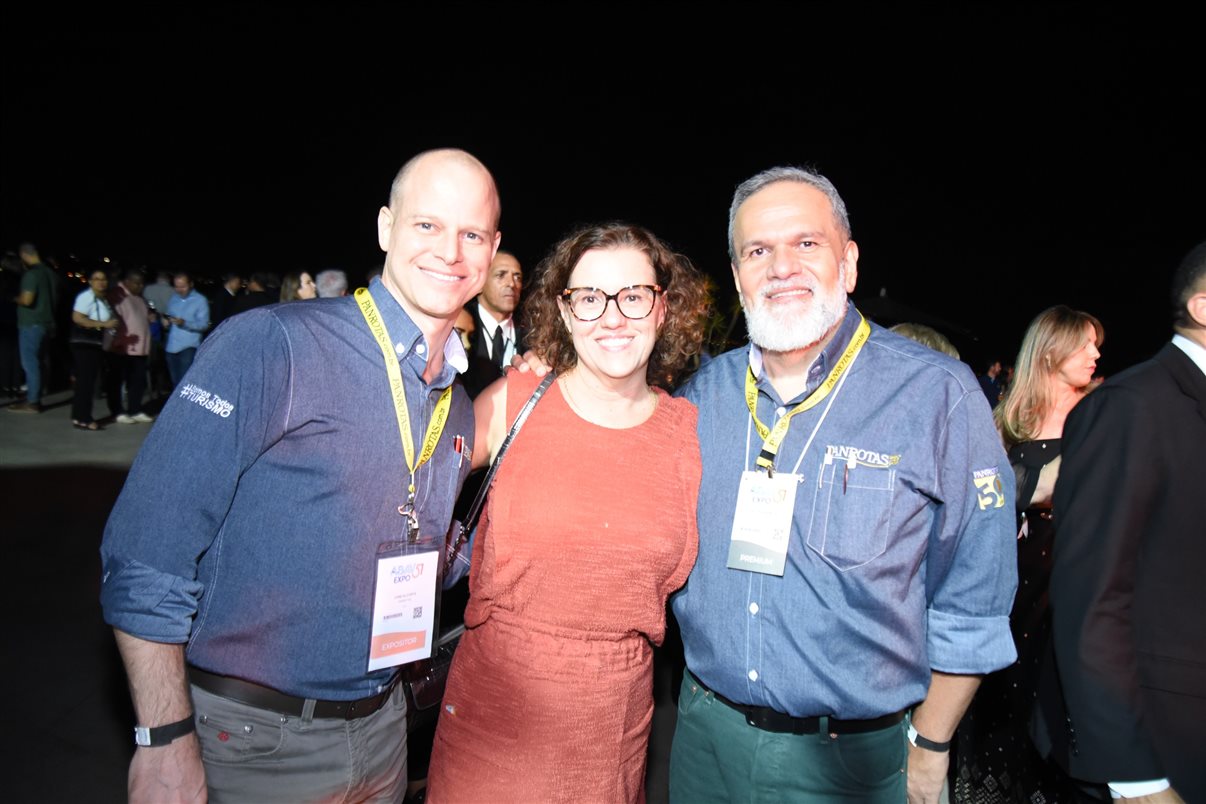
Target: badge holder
x: 406, y: 601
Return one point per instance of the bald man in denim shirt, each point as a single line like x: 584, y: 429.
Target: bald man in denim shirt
x: 240, y: 559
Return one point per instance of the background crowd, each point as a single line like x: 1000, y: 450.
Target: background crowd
x: 122, y: 336
x: 146, y: 360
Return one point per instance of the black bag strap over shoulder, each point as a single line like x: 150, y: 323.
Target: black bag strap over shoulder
x: 475, y: 510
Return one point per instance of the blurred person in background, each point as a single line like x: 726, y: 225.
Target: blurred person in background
x: 332, y: 283
x: 465, y: 327
x: 498, y: 336
x: 991, y: 382
x: 994, y: 759
x: 927, y: 336
x: 261, y: 290
x: 10, y: 350
x: 222, y: 305
x: 298, y: 286
x: 36, y: 303
x: 92, y: 320
x: 159, y: 293
x: 187, y: 320
x: 158, y: 296
x: 127, y: 351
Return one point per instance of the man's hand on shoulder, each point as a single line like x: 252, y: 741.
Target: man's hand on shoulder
x: 927, y: 773
x: 529, y: 361
x: 170, y: 773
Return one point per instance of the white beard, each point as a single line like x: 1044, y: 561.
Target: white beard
x: 787, y: 331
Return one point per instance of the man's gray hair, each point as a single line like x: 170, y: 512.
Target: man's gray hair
x: 331, y: 283
x: 776, y: 174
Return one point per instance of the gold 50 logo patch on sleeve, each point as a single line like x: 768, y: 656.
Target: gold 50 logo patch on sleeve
x: 989, y: 492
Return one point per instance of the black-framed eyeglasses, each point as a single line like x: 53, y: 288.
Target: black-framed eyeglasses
x: 634, y: 301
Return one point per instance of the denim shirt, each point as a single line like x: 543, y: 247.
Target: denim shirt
x: 194, y: 309
x: 904, y: 564
x: 250, y: 520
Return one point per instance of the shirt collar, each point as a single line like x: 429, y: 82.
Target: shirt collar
x: 490, y: 322
x: 408, y: 339
x: 454, y: 353
x: 827, y: 358
x: 1196, y: 352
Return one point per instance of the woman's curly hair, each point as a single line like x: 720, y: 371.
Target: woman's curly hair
x: 683, y: 291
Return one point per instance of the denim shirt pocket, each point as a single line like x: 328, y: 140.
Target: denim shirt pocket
x: 851, y: 508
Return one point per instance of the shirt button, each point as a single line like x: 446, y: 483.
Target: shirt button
x: 753, y: 674
x: 420, y: 349
x: 400, y: 348
x: 753, y: 608
x: 780, y: 412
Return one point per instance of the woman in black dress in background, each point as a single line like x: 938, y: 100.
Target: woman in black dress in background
x: 994, y: 760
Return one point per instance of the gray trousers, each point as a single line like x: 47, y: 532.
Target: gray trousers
x: 253, y: 755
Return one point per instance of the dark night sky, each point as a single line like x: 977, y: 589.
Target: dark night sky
x: 996, y: 158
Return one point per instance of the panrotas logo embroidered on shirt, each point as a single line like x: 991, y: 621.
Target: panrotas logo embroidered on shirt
x: 989, y: 492
x: 861, y: 457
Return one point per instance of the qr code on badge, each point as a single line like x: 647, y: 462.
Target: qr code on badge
x: 418, y: 612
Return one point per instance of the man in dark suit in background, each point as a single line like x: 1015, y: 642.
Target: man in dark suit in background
x: 990, y: 382
x: 496, y: 337
x: 222, y: 305
x: 1127, y: 586
x: 263, y: 288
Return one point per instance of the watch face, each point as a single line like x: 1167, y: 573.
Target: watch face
x: 163, y: 735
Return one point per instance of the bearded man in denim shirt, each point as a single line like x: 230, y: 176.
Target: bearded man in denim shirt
x: 856, y: 564
x: 243, y: 551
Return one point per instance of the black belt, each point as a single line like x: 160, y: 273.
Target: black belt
x: 267, y: 698
x: 767, y: 719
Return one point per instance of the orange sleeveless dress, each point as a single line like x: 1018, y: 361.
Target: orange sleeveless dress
x: 585, y: 533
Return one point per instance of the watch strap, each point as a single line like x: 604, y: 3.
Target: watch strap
x: 163, y: 735
x: 923, y: 742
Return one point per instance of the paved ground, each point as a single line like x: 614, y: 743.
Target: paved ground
x: 68, y: 715
x: 48, y: 439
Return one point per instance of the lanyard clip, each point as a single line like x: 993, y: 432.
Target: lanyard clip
x: 412, y: 522
x: 766, y: 459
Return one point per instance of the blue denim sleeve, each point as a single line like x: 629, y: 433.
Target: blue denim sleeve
x: 234, y: 404
x: 971, y: 562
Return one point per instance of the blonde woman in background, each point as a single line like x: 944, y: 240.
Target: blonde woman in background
x: 994, y: 760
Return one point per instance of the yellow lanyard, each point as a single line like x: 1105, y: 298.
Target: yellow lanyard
x: 439, y: 416
x: 771, y: 439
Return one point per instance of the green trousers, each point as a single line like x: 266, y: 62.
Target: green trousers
x: 718, y: 757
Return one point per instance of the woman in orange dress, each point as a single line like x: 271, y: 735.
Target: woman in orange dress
x: 589, y: 526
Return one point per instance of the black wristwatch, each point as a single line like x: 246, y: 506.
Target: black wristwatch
x: 929, y: 745
x: 163, y: 735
